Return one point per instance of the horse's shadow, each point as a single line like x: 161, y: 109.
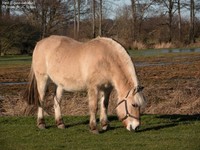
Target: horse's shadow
x: 70, y: 124
x: 85, y: 122
x: 172, y: 121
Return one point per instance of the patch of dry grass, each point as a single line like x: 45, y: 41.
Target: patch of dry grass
x: 138, y: 45
x: 184, y: 99
x: 194, y: 45
x: 164, y: 45
x: 169, y: 89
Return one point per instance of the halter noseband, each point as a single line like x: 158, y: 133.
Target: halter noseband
x: 136, y: 90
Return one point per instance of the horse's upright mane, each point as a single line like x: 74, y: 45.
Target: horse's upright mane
x: 123, y: 56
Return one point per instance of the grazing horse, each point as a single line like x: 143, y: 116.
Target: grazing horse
x: 95, y: 66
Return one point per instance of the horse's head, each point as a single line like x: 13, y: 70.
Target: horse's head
x: 128, y: 109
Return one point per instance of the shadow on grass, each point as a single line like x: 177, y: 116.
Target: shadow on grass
x: 172, y: 121
x: 83, y: 122
x: 180, y: 118
x: 69, y: 125
x: 157, y: 127
x: 162, y: 122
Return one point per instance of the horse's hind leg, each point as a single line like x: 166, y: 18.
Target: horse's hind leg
x: 41, y: 85
x: 104, y: 100
x: 92, y: 95
x: 57, y: 100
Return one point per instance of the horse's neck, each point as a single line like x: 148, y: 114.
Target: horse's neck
x: 124, y: 82
x: 122, y: 86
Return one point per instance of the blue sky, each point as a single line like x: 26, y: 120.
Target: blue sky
x: 120, y: 3
x: 115, y: 5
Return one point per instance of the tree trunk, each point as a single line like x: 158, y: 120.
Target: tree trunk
x: 171, y: 4
x: 133, y: 5
x: 192, y: 20
x: 44, y: 27
x: 179, y: 22
x: 78, y: 20
x: 8, y: 9
x: 93, y: 18
x: 100, y: 17
x: 75, y: 21
x: 0, y: 27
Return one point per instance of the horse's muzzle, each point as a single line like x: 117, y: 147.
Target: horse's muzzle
x: 132, y: 127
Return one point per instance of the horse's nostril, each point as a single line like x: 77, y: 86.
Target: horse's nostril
x: 137, y: 128
x: 131, y: 128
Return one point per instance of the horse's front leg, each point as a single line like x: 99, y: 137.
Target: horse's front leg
x: 104, y: 100
x: 92, y: 95
x: 57, y: 100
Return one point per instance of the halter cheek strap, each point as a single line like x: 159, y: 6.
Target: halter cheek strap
x: 127, y: 112
x: 136, y: 90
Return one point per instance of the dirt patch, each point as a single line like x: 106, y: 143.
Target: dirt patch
x: 172, y: 87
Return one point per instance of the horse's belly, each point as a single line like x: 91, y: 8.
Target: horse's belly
x: 72, y: 84
x: 67, y: 76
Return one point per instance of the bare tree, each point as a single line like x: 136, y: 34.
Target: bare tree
x: 0, y: 21
x: 46, y: 14
x: 0, y: 27
x: 192, y: 22
x: 93, y: 18
x: 8, y: 9
x: 134, y: 18
x: 100, y: 17
x: 0, y: 7
x: 179, y: 21
x: 143, y: 9
x: 78, y: 19
x: 170, y: 6
x: 75, y: 20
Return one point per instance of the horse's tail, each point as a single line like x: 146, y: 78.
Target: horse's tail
x: 31, y: 95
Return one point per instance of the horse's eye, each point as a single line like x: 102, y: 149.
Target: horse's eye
x: 135, y: 105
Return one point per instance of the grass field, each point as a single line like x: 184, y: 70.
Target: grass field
x: 21, y: 60
x: 158, y: 132
x: 172, y: 132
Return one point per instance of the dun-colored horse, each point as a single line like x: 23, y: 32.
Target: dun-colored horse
x: 95, y: 66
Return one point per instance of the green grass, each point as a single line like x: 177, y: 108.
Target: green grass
x: 24, y: 60
x: 15, y: 60
x: 161, y: 52
x: 157, y: 132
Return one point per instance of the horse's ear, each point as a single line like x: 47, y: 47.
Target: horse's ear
x: 134, y: 90
x: 137, y: 89
x: 140, y: 88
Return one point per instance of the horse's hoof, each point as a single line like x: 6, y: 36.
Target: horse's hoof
x: 41, y: 123
x: 105, y: 127
x: 41, y: 126
x: 94, y: 131
x: 61, y: 126
x: 60, y: 123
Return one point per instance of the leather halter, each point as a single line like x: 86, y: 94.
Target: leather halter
x: 136, y: 90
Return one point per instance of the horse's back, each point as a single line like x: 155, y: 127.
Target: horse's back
x: 53, y: 48
x: 74, y: 64
x: 54, y: 43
